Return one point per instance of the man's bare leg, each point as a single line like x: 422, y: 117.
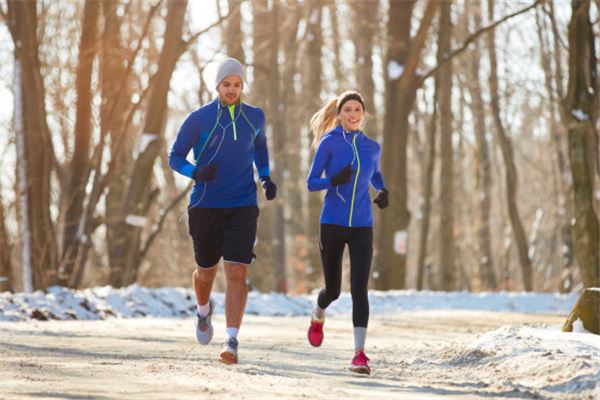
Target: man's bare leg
x: 235, y: 303
x: 236, y: 294
x: 202, y: 280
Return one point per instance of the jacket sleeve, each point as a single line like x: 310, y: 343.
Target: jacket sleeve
x: 320, y: 160
x: 261, y: 150
x: 186, y: 138
x: 377, y: 178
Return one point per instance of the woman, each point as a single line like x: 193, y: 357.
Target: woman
x: 351, y: 162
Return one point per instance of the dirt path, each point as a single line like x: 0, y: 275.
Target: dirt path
x: 158, y: 358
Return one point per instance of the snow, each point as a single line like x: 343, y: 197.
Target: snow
x: 395, y: 70
x: 146, y: 139
x: 549, y: 360
x: 137, y: 301
x: 580, y: 115
x: 136, y: 220
x: 535, y: 360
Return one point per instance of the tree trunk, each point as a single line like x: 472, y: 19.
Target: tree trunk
x: 487, y: 277
x: 428, y: 190
x: 581, y: 106
x: 277, y: 108
x: 37, y: 151
x: 365, y: 20
x: 446, y: 257
x: 293, y: 192
x: 511, y: 170
x: 73, y: 233
x: 139, y: 195
x: 261, y: 275
x: 340, y: 78
x: 233, y: 32
x: 116, y: 92
x: 312, y: 95
x: 390, y: 267
x: 564, y: 211
x: 587, y: 309
x: 6, y: 274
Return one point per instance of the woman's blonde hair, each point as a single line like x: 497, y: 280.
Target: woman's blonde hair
x: 325, y: 119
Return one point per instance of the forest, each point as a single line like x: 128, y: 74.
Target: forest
x: 487, y: 112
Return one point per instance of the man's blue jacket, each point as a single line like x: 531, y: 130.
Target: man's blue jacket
x: 232, y: 138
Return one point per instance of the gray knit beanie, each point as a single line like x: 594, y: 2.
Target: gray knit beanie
x: 228, y: 67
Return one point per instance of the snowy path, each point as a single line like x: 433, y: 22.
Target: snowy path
x: 414, y: 355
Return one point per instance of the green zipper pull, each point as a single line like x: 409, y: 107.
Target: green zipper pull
x: 232, y: 113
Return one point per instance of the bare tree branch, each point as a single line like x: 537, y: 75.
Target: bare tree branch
x: 163, y: 217
x: 185, y: 44
x: 475, y: 36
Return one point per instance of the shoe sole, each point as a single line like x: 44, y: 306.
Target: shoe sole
x: 228, y: 358
x: 361, y: 370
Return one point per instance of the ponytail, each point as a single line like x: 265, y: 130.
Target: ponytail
x: 323, y: 120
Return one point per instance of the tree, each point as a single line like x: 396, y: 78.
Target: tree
x: 277, y: 108
x: 139, y: 195
x: 401, y: 84
x: 80, y: 164
x: 511, y: 175
x: 365, y: 23
x: 487, y: 276
x: 446, y: 256
x: 233, y: 31
x: 312, y: 93
x: 581, y: 111
x: 36, y: 150
x: 6, y: 277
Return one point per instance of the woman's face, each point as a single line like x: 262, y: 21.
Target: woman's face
x: 230, y: 89
x: 351, y: 115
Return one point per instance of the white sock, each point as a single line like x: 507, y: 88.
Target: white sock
x: 203, y: 309
x: 360, y: 335
x: 232, y: 332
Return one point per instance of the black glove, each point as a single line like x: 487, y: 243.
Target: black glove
x: 343, y: 176
x: 382, y: 199
x: 206, y: 173
x: 269, y: 187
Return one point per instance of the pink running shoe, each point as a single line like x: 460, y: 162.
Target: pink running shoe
x: 360, y: 363
x: 315, y: 331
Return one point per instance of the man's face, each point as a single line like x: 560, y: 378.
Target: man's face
x: 230, y: 89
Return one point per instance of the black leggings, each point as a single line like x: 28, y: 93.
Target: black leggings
x: 333, y: 239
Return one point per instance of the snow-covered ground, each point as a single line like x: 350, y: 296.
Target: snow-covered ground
x: 486, y: 344
x: 135, y: 301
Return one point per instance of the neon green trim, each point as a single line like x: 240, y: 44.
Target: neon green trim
x: 355, y: 181
x: 249, y: 123
x: 232, y: 113
x: 209, y: 135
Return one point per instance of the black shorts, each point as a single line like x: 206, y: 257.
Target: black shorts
x: 223, y: 232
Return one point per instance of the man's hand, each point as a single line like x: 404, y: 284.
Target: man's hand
x: 269, y: 187
x: 382, y: 199
x: 343, y: 176
x: 206, y: 173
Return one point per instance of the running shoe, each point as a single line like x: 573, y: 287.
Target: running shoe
x: 315, y: 330
x: 360, y: 363
x: 204, y: 328
x: 229, y: 353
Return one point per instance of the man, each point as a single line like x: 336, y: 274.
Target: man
x: 227, y: 136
